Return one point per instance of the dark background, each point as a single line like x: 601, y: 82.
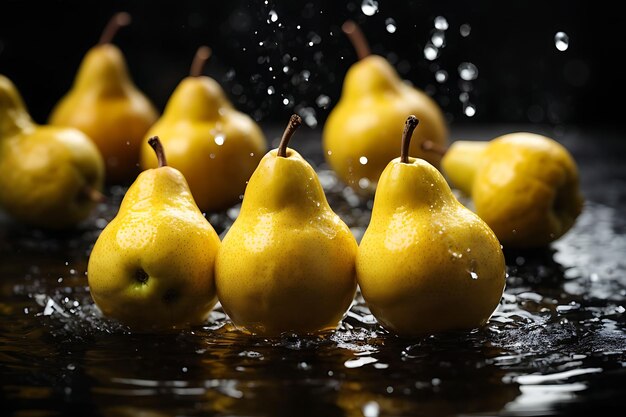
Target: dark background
x: 522, y: 77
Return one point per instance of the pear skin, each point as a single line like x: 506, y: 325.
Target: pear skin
x: 152, y: 267
x: 361, y: 132
x: 287, y: 263
x: 216, y: 147
x: 426, y: 263
x: 527, y: 190
x: 50, y: 177
x: 105, y: 104
x: 460, y: 162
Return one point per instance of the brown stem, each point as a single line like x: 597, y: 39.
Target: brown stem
x: 197, y: 65
x: 409, y: 127
x: 292, y: 126
x: 357, y: 38
x: 430, y: 146
x: 90, y: 193
x: 118, y: 20
x: 156, y: 144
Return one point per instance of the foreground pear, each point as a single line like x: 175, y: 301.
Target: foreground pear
x: 152, y: 266
x: 287, y: 263
x: 50, y: 177
x: 216, y: 147
x: 360, y: 135
x: 426, y: 263
x: 524, y: 186
x: 105, y: 104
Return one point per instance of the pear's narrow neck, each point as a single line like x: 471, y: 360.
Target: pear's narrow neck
x: 13, y: 115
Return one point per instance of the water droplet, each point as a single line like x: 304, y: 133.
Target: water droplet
x: 329, y: 153
x: 71, y: 366
x: 371, y: 409
x: 441, y: 76
x: 438, y: 38
x: 270, y: 90
x: 431, y: 52
x: 390, y: 25
x: 469, y: 110
x: 322, y: 101
x: 561, y: 41
x: 463, y: 97
x: 364, y: 183
x: 474, y: 275
x: 285, y: 101
x: 363, y: 160
x: 369, y: 7
x: 441, y: 23
x: 212, y: 156
x: 465, y: 30
x: 273, y: 15
x: 468, y: 71
x: 219, y: 139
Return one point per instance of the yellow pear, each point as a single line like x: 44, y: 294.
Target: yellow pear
x: 426, y: 263
x: 360, y: 134
x: 215, y: 147
x: 106, y: 105
x: 50, y: 177
x: 524, y: 185
x: 152, y: 267
x: 287, y: 263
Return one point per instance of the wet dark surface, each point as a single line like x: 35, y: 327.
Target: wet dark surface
x: 556, y: 344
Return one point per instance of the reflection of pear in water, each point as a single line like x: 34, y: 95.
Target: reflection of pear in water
x: 524, y: 186
x: 287, y: 263
x: 361, y: 132
x: 426, y: 263
x: 105, y: 104
x: 216, y: 147
x: 152, y: 266
x: 49, y: 176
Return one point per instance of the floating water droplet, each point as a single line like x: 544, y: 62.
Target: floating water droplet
x: 322, y: 101
x: 431, y: 52
x: 465, y: 30
x: 468, y: 71
x: 212, y: 156
x: 438, y: 38
x: 371, y: 409
x: 363, y: 160
x: 474, y: 275
x: 390, y: 25
x: 561, y: 41
x: 273, y: 15
x: 369, y: 7
x: 270, y: 90
x: 463, y: 97
x: 364, y: 183
x: 285, y: 101
x: 441, y: 76
x: 441, y: 23
x: 219, y: 139
x: 469, y: 110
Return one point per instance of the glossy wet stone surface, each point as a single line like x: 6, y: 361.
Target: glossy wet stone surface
x: 556, y: 344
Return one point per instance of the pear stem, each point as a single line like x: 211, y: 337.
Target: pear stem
x: 292, y: 126
x: 430, y: 146
x: 156, y: 144
x: 92, y: 194
x: 118, y: 21
x: 409, y: 127
x: 357, y: 38
x: 199, y: 60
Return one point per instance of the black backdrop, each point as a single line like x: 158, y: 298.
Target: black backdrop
x: 522, y: 76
